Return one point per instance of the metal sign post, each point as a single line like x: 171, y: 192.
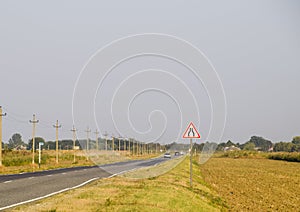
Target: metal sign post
x: 191, y: 162
x: 191, y: 132
x: 40, y: 144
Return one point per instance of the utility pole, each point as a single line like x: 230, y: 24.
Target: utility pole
x: 87, y: 141
x: 74, y: 142
x: 97, y: 142
x: 105, y: 134
x: 119, y: 138
x: 34, y: 122
x: 129, y: 145
x: 113, y: 143
x: 56, y: 126
x: 124, y: 145
x: 1, y: 114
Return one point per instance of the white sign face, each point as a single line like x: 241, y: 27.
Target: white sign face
x: 191, y: 132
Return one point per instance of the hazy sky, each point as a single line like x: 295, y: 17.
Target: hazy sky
x: 253, y: 45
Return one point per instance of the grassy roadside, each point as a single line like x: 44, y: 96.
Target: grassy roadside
x: 167, y: 192
x: 20, y: 161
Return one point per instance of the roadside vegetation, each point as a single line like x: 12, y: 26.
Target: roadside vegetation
x: 286, y: 156
x: 168, y: 192
x: 19, y: 161
x: 231, y: 181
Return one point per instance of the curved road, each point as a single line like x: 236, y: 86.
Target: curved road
x: 23, y: 188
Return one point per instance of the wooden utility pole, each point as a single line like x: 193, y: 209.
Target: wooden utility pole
x: 105, y: 134
x: 34, y: 122
x: 129, y: 145
x: 113, y: 143
x: 1, y: 114
x: 56, y: 126
x: 87, y: 141
x: 124, y: 144
x: 74, y: 142
x: 97, y: 139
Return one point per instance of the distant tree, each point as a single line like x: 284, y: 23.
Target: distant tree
x: 239, y: 145
x: 296, y: 140
x: 286, y: 147
x: 229, y: 143
x: 198, y: 147
x: 36, y: 143
x: 249, y: 146
x: 260, y: 142
x: 62, y: 144
x: 15, y: 141
x: 221, y: 146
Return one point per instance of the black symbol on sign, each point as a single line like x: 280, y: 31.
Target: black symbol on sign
x: 191, y: 131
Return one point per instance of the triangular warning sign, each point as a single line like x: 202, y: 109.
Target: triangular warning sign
x: 191, y: 132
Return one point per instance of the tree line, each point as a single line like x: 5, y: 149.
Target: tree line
x: 255, y: 143
x: 16, y: 142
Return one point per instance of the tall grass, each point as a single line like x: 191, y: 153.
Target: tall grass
x: 20, y: 158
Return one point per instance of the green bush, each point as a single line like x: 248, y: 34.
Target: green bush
x: 292, y: 157
x: 241, y: 154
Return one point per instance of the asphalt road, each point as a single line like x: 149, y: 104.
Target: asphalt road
x: 22, y: 188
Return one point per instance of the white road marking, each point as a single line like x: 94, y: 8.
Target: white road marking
x: 49, y: 195
x: 30, y: 177
x: 49, y: 175
x: 8, y: 181
x: 64, y: 173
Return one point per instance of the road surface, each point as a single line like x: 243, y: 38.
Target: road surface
x: 23, y: 188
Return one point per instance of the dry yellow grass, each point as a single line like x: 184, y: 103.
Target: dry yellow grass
x: 255, y: 184
x: 65, y: 160
x: 168, y: 192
